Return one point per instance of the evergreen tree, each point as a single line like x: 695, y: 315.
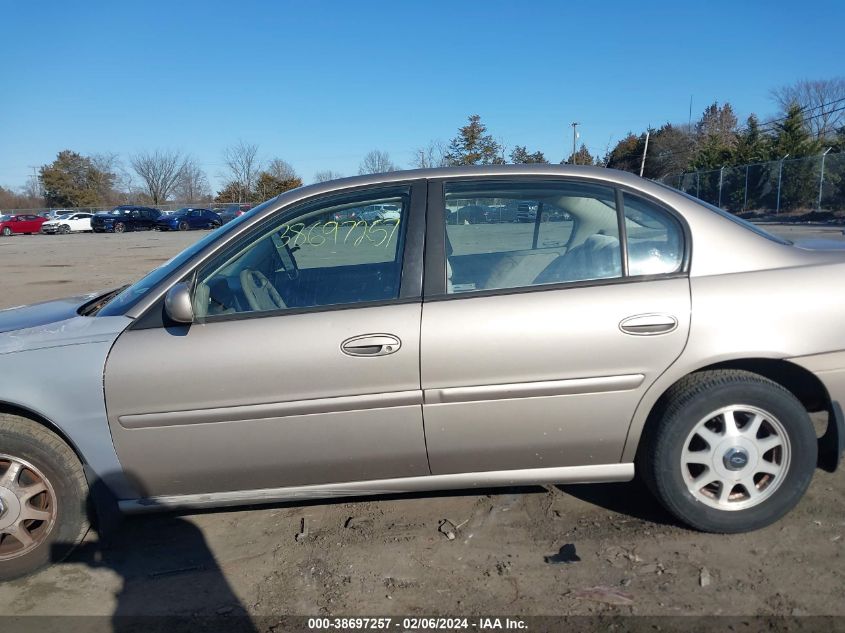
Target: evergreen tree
x: 581, y: 157
x: 627, y: 153
x: 473, y: 146
x: 792, y: 137
x: 73, y: 180
x: 716, y: 137
x: 520, y: 155
x: 800, y: 177
x: 268, y: 185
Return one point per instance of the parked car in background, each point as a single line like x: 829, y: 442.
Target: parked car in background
x: 526, y: 213
x: 373, y: 212
x: 27, y: 224
x: 470, y: 214
x: 189, y: 218
x: 68, y: 223
x: 229, y: 212
x: 376, y: 361
x: 55, y: 213
x: 125, y: 218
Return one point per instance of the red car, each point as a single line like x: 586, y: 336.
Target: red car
x: 28, y: 224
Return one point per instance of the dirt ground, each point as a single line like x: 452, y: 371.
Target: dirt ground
x: 391, y: 556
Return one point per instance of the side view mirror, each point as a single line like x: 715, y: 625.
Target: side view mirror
x: 177, y: 303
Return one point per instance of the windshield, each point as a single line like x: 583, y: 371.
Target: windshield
x: 730, y: 216
x: 131, y: 295
x: 5, y: 218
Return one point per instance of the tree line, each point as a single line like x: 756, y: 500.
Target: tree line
x: 811, y: 118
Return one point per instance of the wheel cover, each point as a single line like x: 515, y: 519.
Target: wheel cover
x: 119, y: 227
x: 28, y: 507
x: 735, y: 458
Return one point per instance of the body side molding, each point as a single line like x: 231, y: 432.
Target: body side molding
x: 544, y: 388
x: 272, y: 410
x: 568, y: 474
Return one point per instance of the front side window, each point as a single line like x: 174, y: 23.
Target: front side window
x: 326, y: 253
x: 522, y: 234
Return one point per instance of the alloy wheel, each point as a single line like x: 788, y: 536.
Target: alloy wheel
x: 735, y: 458
x: 28, y: 507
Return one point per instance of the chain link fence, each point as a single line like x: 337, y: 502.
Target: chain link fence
x: 811, y: 188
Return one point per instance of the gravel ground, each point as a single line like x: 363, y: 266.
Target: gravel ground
x: 390, y: 556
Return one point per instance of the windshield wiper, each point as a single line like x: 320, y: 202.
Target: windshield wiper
x: 93, y: 307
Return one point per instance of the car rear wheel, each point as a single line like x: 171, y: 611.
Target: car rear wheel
x: 730, y: 452
x: 183, y: 226
x: 119, y: 227
x: 43, y: 496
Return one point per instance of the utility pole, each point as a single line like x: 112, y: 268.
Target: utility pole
x: 645, y: 150
x: 689, y: 121
x: 36, y: 184
x: 821, y: 180
x: 780, y: 178
x: 575, y: 125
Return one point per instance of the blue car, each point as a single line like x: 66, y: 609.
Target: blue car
x: 189, y: 218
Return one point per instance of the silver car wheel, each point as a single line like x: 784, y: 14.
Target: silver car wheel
x: 735, y: 458
x: 28, y: 507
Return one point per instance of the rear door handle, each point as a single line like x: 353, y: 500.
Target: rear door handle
x: 649, y: 324
x: 371, y: 345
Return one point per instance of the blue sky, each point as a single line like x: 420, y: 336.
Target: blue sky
x: 320, y: 83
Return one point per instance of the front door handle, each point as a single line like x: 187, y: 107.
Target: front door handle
x: 649, y: 324
x: 371, y: 345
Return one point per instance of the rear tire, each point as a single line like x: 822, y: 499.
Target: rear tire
x: 730, y: 452
x: 42, y: 461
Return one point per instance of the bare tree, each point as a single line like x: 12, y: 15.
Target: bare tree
x: 819, y: 101
x: 242, y: 162
x: 193, y: 186
x: 325, y: 176
x: 281, y: 170
x: 432, y: 155
x: 161, y: 172
x: 376, y: 162
x: 108, y: 176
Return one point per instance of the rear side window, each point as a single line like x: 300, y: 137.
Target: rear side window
x: 655, y: 238
x: 503, y: 234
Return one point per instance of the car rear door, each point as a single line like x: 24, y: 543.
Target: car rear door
x: 30, y: 224
x: 82, y: 222
x: 302, y: 366
x: 538, y: 340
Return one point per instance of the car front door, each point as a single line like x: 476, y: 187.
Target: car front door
x: 302, y: 365
x: 539, y: 339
